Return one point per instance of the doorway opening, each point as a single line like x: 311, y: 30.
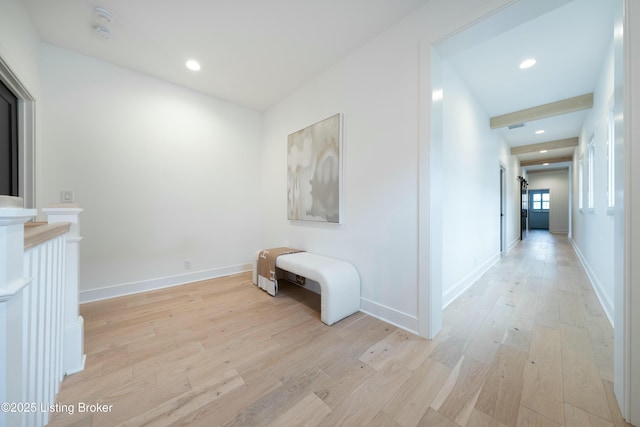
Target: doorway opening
x: 21, y: 179
x: 624, y: 375
x: 9, y: 175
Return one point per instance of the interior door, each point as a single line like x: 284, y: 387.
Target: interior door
x: 8, y: 142
x: 539, y: 205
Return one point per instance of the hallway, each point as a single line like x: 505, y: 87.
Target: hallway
x: 542, y: 339
x: 527, y: 345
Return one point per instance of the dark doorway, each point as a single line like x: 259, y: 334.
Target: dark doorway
x: 8, y: 142
x: 524, y: 201
x: 539, y: 204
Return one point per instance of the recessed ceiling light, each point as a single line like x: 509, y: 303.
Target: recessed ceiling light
x: 543, y: 151
x: 538, y: 132
x: 527, y: 63
x: 193, y: 65
x: 545, y: 164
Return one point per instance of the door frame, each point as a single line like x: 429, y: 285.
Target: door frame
x: 26, y: 135
x: 10, y: 176
x: 503, y: 210
x: 627, y: 212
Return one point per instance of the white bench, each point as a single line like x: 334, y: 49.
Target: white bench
x: 339, y: 282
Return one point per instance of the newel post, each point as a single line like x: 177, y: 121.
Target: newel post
x: 74, y: 357
x: 12, y: 280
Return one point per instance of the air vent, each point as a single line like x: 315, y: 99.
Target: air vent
x: 519, y: 125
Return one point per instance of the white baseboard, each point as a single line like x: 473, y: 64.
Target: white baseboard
x: 390, y: 315
x: 512, y: 244
x: 159, y: 283
x: 606, y: 304
x: 74, y: 357
x: 464, y: 284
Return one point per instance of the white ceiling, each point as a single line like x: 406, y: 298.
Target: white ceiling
x: 253, y: 52
x: 570, y: 44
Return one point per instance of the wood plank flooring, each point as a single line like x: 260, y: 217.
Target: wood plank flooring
x: 527, y: 345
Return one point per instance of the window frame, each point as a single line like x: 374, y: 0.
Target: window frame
x: 591, y: 159
x: 581, y: 184
x: 611, y: 175
x: 541, y: 202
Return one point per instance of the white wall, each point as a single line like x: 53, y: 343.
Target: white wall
x: 164, y: 174
x: 593, y: 228
x: 377, y: 90
x: 471, y: 188
x: 557, y: 182
x: 512, y: 208
x: 378, y: 234
x: 19, y: 46
x: 19, y: 43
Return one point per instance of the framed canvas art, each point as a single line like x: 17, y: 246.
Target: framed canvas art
x: 314, y: 172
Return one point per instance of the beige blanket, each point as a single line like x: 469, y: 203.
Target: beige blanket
x: 267, y: 276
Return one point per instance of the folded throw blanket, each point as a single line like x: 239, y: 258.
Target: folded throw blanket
x: 267, y: 276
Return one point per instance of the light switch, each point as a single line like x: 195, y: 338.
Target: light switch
x: 66, y: 196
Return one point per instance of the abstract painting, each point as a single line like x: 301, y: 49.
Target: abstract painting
x: 314, y: 169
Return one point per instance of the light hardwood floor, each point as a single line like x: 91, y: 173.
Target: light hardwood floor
x: 527, y: 345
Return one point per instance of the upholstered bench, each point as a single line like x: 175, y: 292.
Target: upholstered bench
x: 339, y: 282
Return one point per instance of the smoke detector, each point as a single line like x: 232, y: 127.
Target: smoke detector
x: 106, y: 18
x: 104, y: 15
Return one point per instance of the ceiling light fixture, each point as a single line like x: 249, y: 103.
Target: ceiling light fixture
x: 527, y: 63
x: 543, y: 151
x: 539, y: 132
x: 193, y: 65
x: 545, y: 164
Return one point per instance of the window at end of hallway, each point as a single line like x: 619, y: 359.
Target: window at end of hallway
x: 541, y: 202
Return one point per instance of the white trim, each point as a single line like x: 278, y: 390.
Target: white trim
x: 504, y: 195
x: 458, y: 289
x: 512, y: 245
x: 390, y: 315
x: 74, y: 347
x: 627, y: 336
x: 562, y: 232
x: 91, y: 295
x: 605, y: 301
x: 611, y: 165
x: 26, y: 134
x: 591, y: 161
x: 11, y: 289
x: 429, y: 250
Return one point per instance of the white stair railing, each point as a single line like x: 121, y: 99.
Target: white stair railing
x: 41, y: 332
